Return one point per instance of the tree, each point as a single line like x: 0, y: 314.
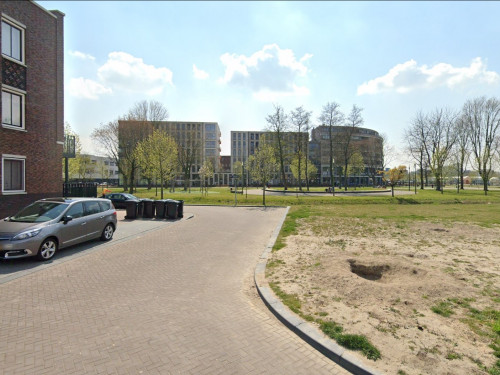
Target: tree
x: 345, y: 148
x: 157, y: 154
x: 394, y: 175
x: 374, y: 157
x: 239, y: 172
x: 462, y: 149
x: 263, y: 166
x: 482, y: 119
x: 302, y: 174
x: 206, y: 171
x: 105, y: 137
x: 440, y: 141
x: 141, y: 119
x: 356, y: 165
x: 73, y: 163
x: 102, y: 169
x: 299, y: 120
x: 189, y: 152
x: 331, y: 116
x: 432, y: 138
x: 85, y: 167
x: 278, y: 126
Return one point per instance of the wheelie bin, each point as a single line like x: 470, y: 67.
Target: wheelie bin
x: 180, y: 209
x: 160, y: 209
x: 147, y: 208
x: 171, y: 206
x: 131, y: 207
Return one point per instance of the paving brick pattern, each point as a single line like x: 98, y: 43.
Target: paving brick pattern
x: 177, y: 300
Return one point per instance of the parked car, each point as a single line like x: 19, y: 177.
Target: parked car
x: 47, y: 225
x: 119, y: 199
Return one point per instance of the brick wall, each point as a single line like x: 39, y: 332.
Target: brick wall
x: 44, y: 111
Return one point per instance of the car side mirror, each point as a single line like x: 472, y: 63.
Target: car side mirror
x: 66, y: 219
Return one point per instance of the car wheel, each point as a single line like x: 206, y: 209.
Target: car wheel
x: 107, y: 233
x: 47, y: 249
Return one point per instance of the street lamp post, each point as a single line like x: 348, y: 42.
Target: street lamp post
x: 415, y: 174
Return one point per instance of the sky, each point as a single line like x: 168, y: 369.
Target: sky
x: 232, y: 62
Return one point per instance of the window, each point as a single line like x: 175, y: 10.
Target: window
x: 12, y: 41
x: 75, y: 211
x: 91, y: 207
x: 210, y: 144
x: 105, y: 206
x: 13, y: 168
x: 12, y: 109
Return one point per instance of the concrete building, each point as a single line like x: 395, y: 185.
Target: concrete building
x: 99, y: 169
x: 368, y: 142
x: 201, y: 138
x: 32, y: 104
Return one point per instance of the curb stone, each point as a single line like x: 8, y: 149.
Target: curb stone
x: 299, y: 326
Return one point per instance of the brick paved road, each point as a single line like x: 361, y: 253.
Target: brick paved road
x: 178, y: 300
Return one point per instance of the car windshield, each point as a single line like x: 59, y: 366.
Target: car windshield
x: 39, y: 212
x: 129, y: 196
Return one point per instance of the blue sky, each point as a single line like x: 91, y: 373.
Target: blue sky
x: 230, y: 62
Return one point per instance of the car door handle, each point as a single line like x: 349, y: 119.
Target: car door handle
x: 102, y: 217
x: 83, y: 223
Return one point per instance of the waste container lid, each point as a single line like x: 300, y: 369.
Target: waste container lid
x: 146, y: 200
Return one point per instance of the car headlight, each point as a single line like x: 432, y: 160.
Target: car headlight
x: 27, y: 234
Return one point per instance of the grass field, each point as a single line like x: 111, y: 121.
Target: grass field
x: 223, y: 196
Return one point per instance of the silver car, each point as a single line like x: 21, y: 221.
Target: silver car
x: 49, y: 224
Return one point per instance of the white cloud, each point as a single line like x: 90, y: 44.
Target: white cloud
x: 409, y: 76
x: 81, y: 55
x: 270, y: 72
x: 124, y: 72
x: 86, y: 88
x: 199, y: 74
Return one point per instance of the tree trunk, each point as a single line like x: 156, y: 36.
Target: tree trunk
x: 264, y: 195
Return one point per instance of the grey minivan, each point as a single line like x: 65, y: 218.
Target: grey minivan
x: 47, y: 225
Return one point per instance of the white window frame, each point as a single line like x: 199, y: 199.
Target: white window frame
x: 15, y: 24
x: 22, y: 94
x: 16, y: 158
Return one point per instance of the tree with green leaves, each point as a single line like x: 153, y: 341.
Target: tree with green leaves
x: 158, y: 155
x: 263, y: 166
x: 356, y: 165
x: 206, y: 171
x: 239, y: 171
x: 303, y: 173
x: 393, y: 176
x: 139, y: 123
x: 73, y: 163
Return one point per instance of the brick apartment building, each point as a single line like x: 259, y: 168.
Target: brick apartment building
x: 32, y: 131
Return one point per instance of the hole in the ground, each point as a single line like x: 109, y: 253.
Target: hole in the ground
x: 368, y: 271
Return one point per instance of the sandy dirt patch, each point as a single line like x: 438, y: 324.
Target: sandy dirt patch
x: 382, y: 279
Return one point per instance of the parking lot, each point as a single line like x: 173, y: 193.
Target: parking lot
x: 161, y: 298
x: 126, y: 230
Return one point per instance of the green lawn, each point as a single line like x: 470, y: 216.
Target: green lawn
x: 223, y: 196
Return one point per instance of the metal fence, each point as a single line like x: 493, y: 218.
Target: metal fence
x: 80, y: 189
